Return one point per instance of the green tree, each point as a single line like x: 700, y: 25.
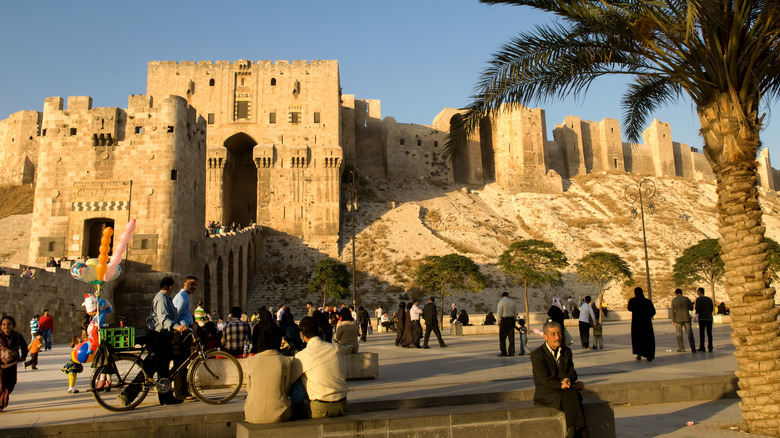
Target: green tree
x: 601, y: 269
x: 699, y: 263
x: 452, y: 272
x: 723, y: 55
x: 532, y: 263
x: 331, y: 279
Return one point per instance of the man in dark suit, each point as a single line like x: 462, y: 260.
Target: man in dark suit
x: 431, y: 323
x: 704, y: 308
x: 556, y: 380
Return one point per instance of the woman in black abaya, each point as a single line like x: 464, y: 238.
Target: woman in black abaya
x: 642, y: 336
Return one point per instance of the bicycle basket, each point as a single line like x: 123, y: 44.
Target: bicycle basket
x: 119, y: 337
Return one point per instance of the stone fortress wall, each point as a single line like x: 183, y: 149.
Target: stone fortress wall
x: 19, y: 137
x: 99, y: 167
x: 266, y: 142
x: 274, y: 140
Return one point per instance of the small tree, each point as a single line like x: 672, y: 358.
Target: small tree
x: 452, y: 272
x: 699, y: 263
x: 532, y: 262
x: 601, y: 269
x: 331, y: 278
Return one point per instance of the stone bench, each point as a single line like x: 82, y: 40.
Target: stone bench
x: 360, y: 366
x: 504, y: 419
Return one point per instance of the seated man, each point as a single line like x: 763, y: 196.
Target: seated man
x: 268, y: 379
x: 322, y: 373
x: 556, y: 381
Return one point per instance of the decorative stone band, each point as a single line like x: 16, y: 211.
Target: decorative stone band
x: 100, y: 206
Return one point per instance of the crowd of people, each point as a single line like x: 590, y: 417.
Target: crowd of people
x: 296, y: 369
x: 215, y: 227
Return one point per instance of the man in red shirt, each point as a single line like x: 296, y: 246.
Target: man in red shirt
x: 45, y: 326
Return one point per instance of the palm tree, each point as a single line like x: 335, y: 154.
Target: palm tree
x: 722, y: 54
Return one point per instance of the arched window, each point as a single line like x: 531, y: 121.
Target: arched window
x: 211, y: 82
x: 273, y: 82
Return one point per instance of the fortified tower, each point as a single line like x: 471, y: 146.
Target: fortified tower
x: 274, y: 140
x: 99, y: 167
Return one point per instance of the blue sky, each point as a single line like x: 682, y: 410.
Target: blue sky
x: 416, y: 56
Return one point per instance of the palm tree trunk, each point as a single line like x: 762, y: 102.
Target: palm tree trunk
x: 753, y: 316
x: 731, y: 143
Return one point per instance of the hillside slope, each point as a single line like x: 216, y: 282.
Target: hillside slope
x: 400, y: 223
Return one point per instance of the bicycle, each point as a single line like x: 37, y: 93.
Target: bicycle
x: 214, y: 376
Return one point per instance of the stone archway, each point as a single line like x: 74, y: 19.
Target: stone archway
x: 486, y: 149
x: 93, y: 232
x: 231, y: 280
x: 220, y: 289
x: 239, y: 181
x: 460, y: 163
x: 207, y: 288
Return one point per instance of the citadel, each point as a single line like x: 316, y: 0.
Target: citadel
x: 264, y: 143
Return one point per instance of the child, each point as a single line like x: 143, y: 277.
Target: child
x: 35, y: 348
x: 523, y: 330
x: 72, y: 369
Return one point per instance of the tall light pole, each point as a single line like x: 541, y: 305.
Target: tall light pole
x: 642, y: 191
x: 353, y: 178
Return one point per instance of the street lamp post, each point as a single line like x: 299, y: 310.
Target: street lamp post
x: 644, y: 190
x: 353, y: 206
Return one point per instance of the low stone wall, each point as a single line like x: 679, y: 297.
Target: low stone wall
x: 53, y: 289
x: 493, y: 420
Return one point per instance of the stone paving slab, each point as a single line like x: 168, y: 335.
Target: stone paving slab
x: 468, y: 366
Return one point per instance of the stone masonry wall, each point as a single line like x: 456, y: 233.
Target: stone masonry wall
x: 19, y: 137
x: 415, y: 151
x: 100, y: 167
x: 53, y: 289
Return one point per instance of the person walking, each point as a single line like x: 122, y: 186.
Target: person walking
x: 363, y: 320
x: 13, y: 349
x: 431, y: 323
x: 681, y: 318
x: 587, y: 320
x: 506, y: 311
x: 46, y: 327
x: 704, y: 308
x: 35, y: 348
x: 400, y: 323
x: 34, y: 327
x: 642, y: 336
x: 414, y: 316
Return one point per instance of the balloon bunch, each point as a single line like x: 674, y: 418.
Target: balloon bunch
x: 98, y: 309
x: 97, y: 272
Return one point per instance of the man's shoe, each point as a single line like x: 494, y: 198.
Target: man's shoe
x: 710, y: 350
x: 502, y: 355
x: 443, y: 346
x: 638, y: 357
x: 426, y: 348
x: 680, y: 351
x: 701, y: 349
x: 693, y: 350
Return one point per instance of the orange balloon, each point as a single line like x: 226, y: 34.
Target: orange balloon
x: 105, y: 247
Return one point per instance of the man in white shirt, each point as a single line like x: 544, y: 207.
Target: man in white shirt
x: 378, y: 312
x: 322, y: 372
x: 279, y: 314
x: 587, y: 320
x: 414, y: 315
x: 505, y: 312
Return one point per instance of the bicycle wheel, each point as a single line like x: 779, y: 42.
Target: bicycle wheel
x: 217, y: 379
x: 125, y: 388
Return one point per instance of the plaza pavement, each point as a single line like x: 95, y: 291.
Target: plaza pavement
x: 468, y: 366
